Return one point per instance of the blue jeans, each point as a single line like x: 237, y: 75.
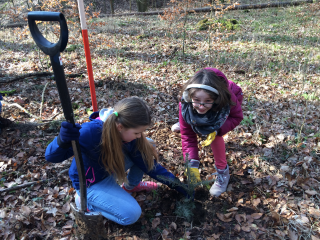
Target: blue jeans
x: 113, y: 202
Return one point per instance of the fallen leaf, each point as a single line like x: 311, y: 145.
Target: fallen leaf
x: 214, y: 236
x: 3, y: 213
x: 285, y: 168
x: 314, y: 212
x: 246, y: 228
x: 237, y: 228
x: 225, y: 217
x: 186, y: 224
x: 276, y: 217
x: 141, y: 198
x: 245, y: 181
x: 256, y: 215
x: 21, y: 154
x: 51, y: 219
x: 71, y: 191
x: 173, y: 225
x: 65, y: 208
x: 256, y: 202
x: 311, y: 192
x: 155, y: 222
x: 67, y: 227
x: 232, y: 209
x: 25, y: 210
x: 53, y: 211
x: 165, y: 233
x: 241, y: 217
x: 302, y: 219
x: 280, y: 233
x: 65, y: 233
x: 292, y: 234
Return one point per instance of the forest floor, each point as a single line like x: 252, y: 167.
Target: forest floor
x: 274, y: 190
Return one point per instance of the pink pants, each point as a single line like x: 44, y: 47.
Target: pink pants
x: 219, y: 152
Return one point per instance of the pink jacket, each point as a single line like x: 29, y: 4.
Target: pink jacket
x: 189, y: 137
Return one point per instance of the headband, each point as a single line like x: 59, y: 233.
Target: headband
x: 201, y: 86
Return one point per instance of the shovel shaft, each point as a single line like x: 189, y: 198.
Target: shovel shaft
x: 58, y: 71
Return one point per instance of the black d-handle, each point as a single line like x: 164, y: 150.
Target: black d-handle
x: 47, y: 47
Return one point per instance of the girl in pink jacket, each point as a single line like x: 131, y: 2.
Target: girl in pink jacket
x: 210, y: 107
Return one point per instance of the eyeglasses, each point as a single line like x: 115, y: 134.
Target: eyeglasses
x: 197, y: 104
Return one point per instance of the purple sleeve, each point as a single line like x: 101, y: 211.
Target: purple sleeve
x: 1, y: 97
x: 188, y: 138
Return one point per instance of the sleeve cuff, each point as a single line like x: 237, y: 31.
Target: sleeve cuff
x: 63, y: 144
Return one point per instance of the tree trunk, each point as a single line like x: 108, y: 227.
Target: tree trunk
x: 112, y: 6
x: 142, y: 5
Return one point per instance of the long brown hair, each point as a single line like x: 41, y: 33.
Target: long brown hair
x: 132, y: 113
x: 208, y: 77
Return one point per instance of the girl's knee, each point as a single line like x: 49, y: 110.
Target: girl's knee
x: 131, y: 216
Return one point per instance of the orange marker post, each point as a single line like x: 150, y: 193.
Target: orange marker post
x: 87, y: 54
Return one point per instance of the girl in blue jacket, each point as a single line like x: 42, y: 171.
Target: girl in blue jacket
x: 112, y: 143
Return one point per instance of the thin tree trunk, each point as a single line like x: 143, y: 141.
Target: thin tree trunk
x: 112, y: 6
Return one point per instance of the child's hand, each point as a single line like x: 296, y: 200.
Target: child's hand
x: 209, y: 139
x: 194, y: 175
x: 68, y: 132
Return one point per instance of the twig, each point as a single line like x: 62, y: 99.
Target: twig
x: 40, y: 59
x: 44, y: 89
x: 32, y: 183
x: 51, y: 118
x: 18, y: 106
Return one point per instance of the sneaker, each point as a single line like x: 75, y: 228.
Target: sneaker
x: 221, y: 183
x: 77, y: 200
x: 175, y: 127
x: 143, y: 186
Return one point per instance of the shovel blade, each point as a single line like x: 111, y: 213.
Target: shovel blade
x: 89, y: 224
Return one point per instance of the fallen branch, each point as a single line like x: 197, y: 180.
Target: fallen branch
x: 44, y: 89
x: 18, y: 106
x: 217, y: 8
x: 32, y: 183
x: 14, y: 25
x: 37, y: 74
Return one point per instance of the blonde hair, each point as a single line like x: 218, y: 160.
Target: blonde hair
x: 132, y: 113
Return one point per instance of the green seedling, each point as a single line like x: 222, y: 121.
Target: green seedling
x: 184, y: 208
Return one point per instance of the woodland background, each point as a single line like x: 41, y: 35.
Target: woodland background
x: 272, y: 53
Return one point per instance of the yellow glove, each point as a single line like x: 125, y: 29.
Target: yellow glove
x: 194, y: 175
x: 209, y: 139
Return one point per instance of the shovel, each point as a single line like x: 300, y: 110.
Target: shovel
x: 90, y: 224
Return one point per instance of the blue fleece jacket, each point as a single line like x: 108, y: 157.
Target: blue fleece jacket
x: 90, y: 136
